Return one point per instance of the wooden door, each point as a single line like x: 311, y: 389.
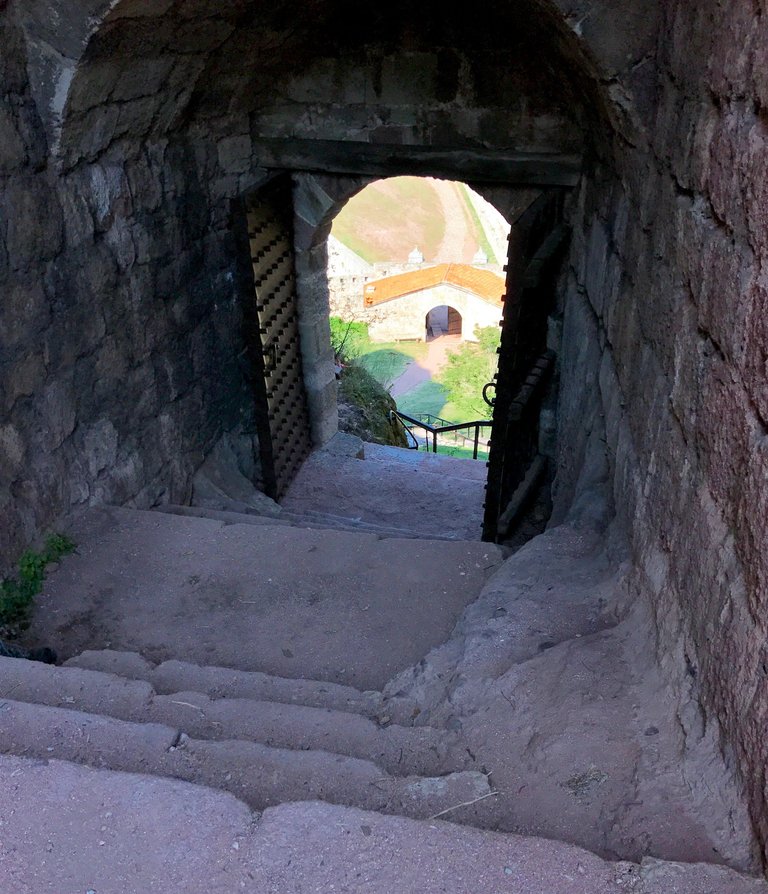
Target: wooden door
x: 282, y: 417
x: 454, y: 322
x: 535, y: 241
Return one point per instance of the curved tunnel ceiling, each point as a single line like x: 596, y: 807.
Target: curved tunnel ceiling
x: 142, y: 69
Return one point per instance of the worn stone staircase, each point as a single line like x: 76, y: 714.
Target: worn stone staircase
x: 353, y: 690
x: 189, y: 730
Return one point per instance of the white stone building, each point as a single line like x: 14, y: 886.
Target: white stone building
x: 442, y: 299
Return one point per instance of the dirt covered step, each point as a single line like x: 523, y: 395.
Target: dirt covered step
x: 391, y: 493
x: 401, y: 751
x: 257, y: 774
x: 307, y: 519
x: 347, y: 607
x: 224, y: 682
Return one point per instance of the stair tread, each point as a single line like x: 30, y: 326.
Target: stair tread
x: 198, y: 839
x: 429, y: 463
x: 281, y: 775
x: 347, y: 607
x: 391, y: 493
x: 401, y: 750
x: 175, y: 675
x: 307, y: 518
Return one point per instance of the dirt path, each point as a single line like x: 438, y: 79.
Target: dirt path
x: 428, y: 367
x: 458, y: 245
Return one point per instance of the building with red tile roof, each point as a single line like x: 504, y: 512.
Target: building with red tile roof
x: 483, y: 283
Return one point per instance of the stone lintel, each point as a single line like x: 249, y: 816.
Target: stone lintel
x: 374, y: 159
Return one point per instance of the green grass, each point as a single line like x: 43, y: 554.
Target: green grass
x: 384, y: 221
x: 468, y: 369
x: 385, y: 361
x: 428, y: 397
x: 456, y: 393
x: 477, y: 225
x: 388, y: 360
x: 385, y: 365
x: 466, y: 411
x: 387, y: 219
x: 465, y: 452
x: 415, y: 350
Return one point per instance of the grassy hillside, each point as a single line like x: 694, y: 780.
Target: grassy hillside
x: 476, y: 226
x: 387, y: 219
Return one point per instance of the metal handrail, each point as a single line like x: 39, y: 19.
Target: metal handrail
x: 409, y: 435
x: 436, y: 430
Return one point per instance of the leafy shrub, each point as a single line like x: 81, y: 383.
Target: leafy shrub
x: 349, y: 339
x: 467, y: 371
x: 17, y: 594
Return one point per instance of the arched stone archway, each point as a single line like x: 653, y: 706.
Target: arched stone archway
x: 443, y: 320
x: 136, y: 117
x: 156, y: 115
x: 318, y: 198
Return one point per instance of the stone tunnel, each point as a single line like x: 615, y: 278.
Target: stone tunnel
x: 132, y: 133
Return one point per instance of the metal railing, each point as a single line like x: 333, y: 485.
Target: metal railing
x: 435, y: 426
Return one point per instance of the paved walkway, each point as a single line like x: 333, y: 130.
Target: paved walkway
x: 458, y: 245
x: 428, y: 367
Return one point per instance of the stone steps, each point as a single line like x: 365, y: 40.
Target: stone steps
x: 559, y: 710
x: 75, y: 828
x: 223, y: 682
x: 309, y: 518
x: 399, y: 750
x: 358, y: 476
x: 316, y: 604
x: 430, y: 463
x: 433, y: 495
x: 260, y: 775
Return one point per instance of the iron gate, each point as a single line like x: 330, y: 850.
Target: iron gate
x: 535, y: 241
x: 282, y: 418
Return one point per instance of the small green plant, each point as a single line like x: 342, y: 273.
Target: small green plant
x: 57, y: 546
x: 349, y: 339
x: 17, y: 594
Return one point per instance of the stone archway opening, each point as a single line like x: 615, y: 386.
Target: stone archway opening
x: 323, y: 104
x: 396, y: 249
x: 169, y: 127
x: 441, y: 321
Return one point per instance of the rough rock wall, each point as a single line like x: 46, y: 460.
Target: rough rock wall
x: 22, y: 308
x: 119, y: 324
x: 438, y: 97
x: 666, y: 331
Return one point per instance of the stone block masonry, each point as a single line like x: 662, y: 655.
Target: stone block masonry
x: 664, y: 319
x: 120, y: 325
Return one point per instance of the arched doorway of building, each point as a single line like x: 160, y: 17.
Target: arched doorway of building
x: 443, y: 320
